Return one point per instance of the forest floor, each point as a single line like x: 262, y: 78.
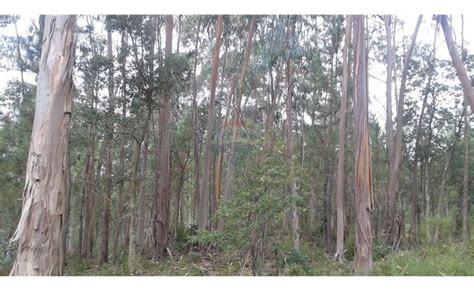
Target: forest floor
x: 449, y: 259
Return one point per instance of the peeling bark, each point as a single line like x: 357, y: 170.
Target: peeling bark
x: 364, y: 203
x: 40, y: 230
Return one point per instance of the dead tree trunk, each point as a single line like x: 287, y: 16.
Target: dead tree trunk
x: 40, y: 229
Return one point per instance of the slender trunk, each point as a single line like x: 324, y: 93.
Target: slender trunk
x: 89, y: 198
x: 220, y: 156
x: 339, y: 256
x: 363, y: 172
x: 195, y: 121
x: 142, y: 191
x: 119, y: 210
x: 40, y: 230
x: 205, y: 187
x: 161, y: 223
x: 104, y: 256
x: 394, y: 226
x: 132, y: 209
x: 457, y: 62
x: 237, y: 117
x: 289, y: 135
x: 465, y: 196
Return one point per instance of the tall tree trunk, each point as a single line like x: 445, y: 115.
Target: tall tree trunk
x: 457, y: 62
x: 132, y: 209
x: 161, y: 223
x: 289, y: 134
x: 339, y: 256
x: 363, y: 171
x: 40, y: 230
x: 104, y: 256
x: 89, y: 198
x: 195, y: 121
x: 142, y: 191
x: 220, y: 155
x: 237, y: 117
x: 465, y: 195
x: 205, y: 182
x: 393, y: 229
x: 119, y: 210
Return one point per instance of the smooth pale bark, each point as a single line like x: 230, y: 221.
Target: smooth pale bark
x: 237, y: 118
x: 390, y: 61
x: 40, y: 230
x: 339, y: 256
x: 364, y: 203
x: 205, y: 182
x: 457, y: 62
x: 161, y: 224
x: 393, y: 228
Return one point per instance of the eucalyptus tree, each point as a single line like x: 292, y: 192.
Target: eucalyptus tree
x: 40, y: 229
x: 363, y: 172
x: 205, y: 182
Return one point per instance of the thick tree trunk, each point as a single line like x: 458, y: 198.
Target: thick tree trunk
x: 393, y: 229
x: 205, y: 182
x: 40, y: 229
x: 457, y: 62
x: 237, y: 117
x: 161, y: 223
x: 363, y: 172
x: 339, y: 256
